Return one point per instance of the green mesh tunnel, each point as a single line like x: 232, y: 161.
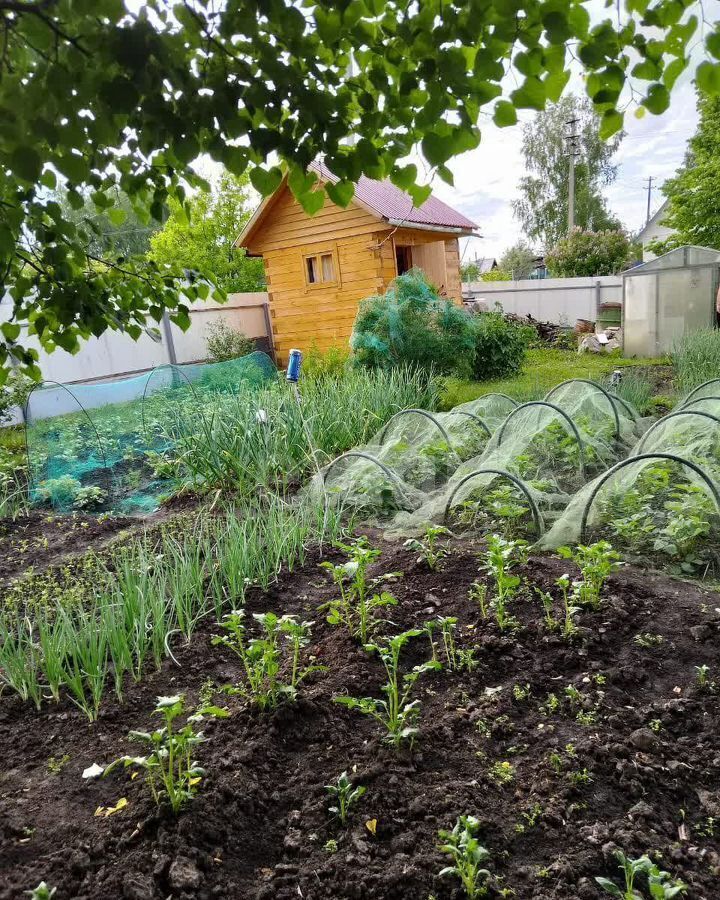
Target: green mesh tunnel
x: 490, y: 500
x: 365, y: 486
x: 114, y: 445
x: 593, y: 408
x: 692, y: 433
x: 709, y: 388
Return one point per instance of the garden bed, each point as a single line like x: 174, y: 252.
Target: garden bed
x: 628, y: 758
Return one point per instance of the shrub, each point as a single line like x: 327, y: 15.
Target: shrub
x: 500, y: 345
x: 589, y: 253
x: 410, y: 324
x: 14, y: 393
x: 225, y: 342
x: 331, y: 363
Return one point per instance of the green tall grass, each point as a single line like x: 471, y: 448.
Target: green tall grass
x: 635, y: 390
x: 696, y: 358
x: 149, y: 594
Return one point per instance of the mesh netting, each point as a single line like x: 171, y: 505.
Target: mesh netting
x: 112, y: 445
x: 692, y: 433
x: 707, y: 389
x: 596, y: 410
x: 656, y: 508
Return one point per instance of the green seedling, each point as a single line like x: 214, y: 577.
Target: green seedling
x: 570, y: 592
x: 548, y: 605
x: 596, y: 562
x: 478, y: 594
x: 42, y: 892
x: 467, y: 856
x: 655, y: 725
x: 355, y: 607
x: 502, y: 557
x: 343, y: 795
x: 702, y: 676
x: 521, y: 692
x: 531, y: 818
x: 331, y: 846
x: 430, y: 553
x: 647, y: 639
x: 262, y: 657
x: 662, y: 885
x: 502, y: 772
x: 396, y: 713
x: 580, y: 778
x: 55, y: 765
x: 170, y: 771
x: 456, y: 659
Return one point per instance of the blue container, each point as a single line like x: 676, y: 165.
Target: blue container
x: 293, y: 369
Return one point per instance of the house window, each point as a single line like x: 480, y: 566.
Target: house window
x: 320, y: 268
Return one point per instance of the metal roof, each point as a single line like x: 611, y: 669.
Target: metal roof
x: 393, y: 204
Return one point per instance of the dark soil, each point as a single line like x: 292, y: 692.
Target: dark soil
x: 259, y: 826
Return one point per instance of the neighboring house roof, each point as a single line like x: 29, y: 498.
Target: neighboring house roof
x: 649, y: 232
x: 387, y: 202
x: 485, y: 264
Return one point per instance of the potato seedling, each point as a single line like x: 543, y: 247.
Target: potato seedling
x: 596, y: 562
x: 396, y: 713
x: 502, y: 772
x: 703, y: 681
x: 170, y: 771
x: 467, y: 856
x: 647, y: 639
x: 430, y: 553
x: 478, y: 594
x: 262, y: 656
x: 358, y: 600
x: 662, y: 885
x: 502, y: 557
x: 456, y: 659
x: 42, y: 892
x: 344, y: 796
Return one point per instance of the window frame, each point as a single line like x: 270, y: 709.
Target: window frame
x: 318, y: 252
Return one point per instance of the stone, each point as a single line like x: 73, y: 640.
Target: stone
x: 642, y: 810
x: 643, y: 739
x: 184, y: 875
x: 137, y: 887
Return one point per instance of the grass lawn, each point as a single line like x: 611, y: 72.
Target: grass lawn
x: 543, y: 369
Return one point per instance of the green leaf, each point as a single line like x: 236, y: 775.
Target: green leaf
x: 312, y: 201
x: 340, y: 193
x: 48, y: 179
x: 7, y: 240
x: 658, y: 99
x: 26, y: 163
x: 266, y: 181
x: 612, y: 121
x: 708, y: 77
x: 505, y: 114
x: 531, y: 95
x: 419, y: 194
x: 609, y: 886
x: 11, y: 331
x: 117, y: 216
x: 73, y: 167
x: 712, y: 42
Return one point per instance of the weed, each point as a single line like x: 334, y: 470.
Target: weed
x: 703, y: 682
x: 344, y: 795
x: 42, y: 892
x: 580, y: 778
x: 55, y: 766
x: 262, y: 656
x: 467, y: 856
x: 548, y: 605
x: 396, y: 713
x: 569, y: 595
x: 550, y: 706
x: 169, y: 768
x: 521, y: 692
x: 596, y: 562
x: 502, y: 773
x: 709, y: 828
x: 531, y: 818
x: 430, y: 553
x: 647, y: 639
x: 331, y: 846
x: 358, y: 601
x: 655, y: 725
x: 661, y: 884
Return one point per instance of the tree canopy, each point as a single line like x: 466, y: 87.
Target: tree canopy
x: 589, y: 253
x: 543, y: 204
x: 518, y: 260
x: 694, y: 211
x: 99, y: 98
x: 200, y: 235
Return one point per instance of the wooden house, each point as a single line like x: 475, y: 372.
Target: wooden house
x: 319, y: 267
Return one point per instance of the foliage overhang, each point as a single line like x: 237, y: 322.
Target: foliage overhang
x: 102, y: 99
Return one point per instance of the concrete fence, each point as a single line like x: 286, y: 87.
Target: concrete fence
x: 116, y: 355
x: 559, y: 300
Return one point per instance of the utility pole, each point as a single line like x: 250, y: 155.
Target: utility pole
x: 573, y: 150
x: 649, y: 192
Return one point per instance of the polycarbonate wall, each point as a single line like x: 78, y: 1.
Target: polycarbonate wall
x: 667, y: 297
x: 109, y: 446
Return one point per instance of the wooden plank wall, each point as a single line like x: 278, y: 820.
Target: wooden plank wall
x: 364, y: 247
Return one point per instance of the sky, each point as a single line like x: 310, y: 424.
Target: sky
x: 486, y: 178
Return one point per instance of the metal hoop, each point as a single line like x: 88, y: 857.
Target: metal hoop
x: 616, y: 398
x: 502, y: 473
x: 600, y: 388
x: 693, y: 402
x: 359, y: 454
x: 26, y: 408
x: 557, y: 409
x: 464, y: 412
x: 420, y: 412
x: 709, y: 483
x: 674, y: 415
x: 699, y: 388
